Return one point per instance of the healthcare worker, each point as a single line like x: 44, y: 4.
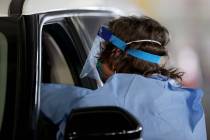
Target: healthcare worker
x: 129, y: 57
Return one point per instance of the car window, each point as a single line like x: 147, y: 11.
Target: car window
x: 65, y: 46
x: 63, y: 55
x: 3, y: 74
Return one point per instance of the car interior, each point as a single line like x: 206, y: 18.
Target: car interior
x: 56, y: 63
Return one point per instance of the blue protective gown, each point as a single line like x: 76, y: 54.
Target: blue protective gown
x: 166, y: 110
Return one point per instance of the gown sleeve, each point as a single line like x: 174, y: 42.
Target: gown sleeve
x: 57, y: 100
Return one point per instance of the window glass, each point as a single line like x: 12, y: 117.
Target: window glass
x: 3, y: 74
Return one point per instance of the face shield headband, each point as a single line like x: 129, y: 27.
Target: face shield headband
x: 90, y: 67
x: 105, y: 34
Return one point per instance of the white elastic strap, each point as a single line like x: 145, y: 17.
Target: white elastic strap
x: 144, y: 40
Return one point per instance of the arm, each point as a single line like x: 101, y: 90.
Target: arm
x: 57, y: 100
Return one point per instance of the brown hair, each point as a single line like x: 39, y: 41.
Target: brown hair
x: 136, y: 28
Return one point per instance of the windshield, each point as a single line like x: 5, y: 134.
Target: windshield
x: 3, y: 74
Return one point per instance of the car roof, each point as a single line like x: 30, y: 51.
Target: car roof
x: 29, y: 7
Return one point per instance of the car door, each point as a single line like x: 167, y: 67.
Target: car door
x: 66, y: 41
x: 17, y: 80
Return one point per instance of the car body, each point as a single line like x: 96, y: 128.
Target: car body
x: 26, y: 61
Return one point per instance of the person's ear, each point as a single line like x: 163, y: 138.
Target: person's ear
x: 117, y: 52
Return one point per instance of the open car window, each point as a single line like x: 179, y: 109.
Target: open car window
x: 66, y: 43
x: 61, y: 57
x: 3, y: 74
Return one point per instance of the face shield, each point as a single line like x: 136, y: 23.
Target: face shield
x: 104, y: 35
x: 89, y: 69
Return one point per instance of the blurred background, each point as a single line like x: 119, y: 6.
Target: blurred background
x: 188, y: 23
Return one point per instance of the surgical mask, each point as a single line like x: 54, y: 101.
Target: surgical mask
x: 99, y: 69
x: 104, y: 35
